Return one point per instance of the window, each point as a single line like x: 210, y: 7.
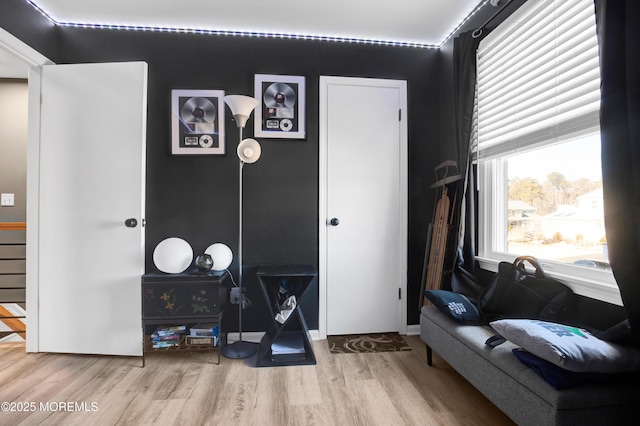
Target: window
x: 538, y: 145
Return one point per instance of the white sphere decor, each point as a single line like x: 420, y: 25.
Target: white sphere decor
x: 221, y: 254
x: 173, y: 255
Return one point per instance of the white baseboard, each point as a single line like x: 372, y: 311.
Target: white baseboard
x: 251, y: 336
x: 413, y: 330
x: 256, y: 336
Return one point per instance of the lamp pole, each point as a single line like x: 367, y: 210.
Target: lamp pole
x: 241, y: 108
x: 240, y: 214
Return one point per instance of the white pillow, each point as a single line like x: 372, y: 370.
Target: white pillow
x: 571, y: 348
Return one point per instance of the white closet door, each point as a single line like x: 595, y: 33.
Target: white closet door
x: 365, y: 183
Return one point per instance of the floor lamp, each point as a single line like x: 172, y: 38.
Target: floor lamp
x: 248, y: 152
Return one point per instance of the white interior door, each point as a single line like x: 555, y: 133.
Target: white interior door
x: 363, y: 187
x: 91, y: 179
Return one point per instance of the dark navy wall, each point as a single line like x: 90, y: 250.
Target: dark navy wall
x: 24, y: 22
x: 197, y: 198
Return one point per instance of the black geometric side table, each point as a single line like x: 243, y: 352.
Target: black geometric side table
x: 286, y: 342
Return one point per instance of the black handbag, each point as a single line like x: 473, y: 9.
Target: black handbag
x: 518, y: 293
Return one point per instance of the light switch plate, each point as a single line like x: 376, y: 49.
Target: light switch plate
x: 7, y: 200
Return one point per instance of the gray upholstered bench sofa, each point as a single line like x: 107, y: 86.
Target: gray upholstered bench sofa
x: 515, y: 388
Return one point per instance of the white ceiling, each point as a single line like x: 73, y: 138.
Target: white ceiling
x: 415, y: 21
x: 421, y: 22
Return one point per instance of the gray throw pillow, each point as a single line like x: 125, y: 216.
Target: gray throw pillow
x: 568, y: 347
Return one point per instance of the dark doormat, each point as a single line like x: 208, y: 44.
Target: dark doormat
x: 367, y: 343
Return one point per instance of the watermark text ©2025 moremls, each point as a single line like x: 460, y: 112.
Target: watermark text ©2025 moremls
x: 50, y: 406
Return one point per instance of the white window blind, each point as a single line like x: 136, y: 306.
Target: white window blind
x: 538, y: 76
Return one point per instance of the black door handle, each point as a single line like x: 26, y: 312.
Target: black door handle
x: 131, y: 223
x: 334, y: 221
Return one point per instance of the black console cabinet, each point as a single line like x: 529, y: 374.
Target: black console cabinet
x: 170, y: 300
x: 285, y: 343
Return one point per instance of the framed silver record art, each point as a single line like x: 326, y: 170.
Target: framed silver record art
x: 281, y: 113
x: 197, y: 122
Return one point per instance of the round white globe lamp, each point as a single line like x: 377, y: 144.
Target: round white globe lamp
x: 221, y: 254
x: 173, y: 255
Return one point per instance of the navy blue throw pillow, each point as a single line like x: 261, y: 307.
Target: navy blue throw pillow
x: 455, y: 305
x: 560, y: 378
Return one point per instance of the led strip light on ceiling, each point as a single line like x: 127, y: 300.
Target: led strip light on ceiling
x: 259, y: 34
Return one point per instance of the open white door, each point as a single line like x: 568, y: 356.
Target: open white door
x: 91, y: 180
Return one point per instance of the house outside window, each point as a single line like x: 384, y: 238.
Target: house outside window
x: 538, y: 145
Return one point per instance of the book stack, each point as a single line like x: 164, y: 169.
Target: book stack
x: 167, y: 336
x: 288, y: 343
x: 203, y: 334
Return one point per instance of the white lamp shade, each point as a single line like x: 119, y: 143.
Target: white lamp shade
x: 249, y: 150
x: 221, y: 254
x: 173, y: 255
x: 241, y: 107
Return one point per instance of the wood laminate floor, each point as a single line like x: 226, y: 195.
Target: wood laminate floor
x: 188, y: 389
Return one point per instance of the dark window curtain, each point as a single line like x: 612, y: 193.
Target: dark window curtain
x: 618, y: 23
x: 464, y: 216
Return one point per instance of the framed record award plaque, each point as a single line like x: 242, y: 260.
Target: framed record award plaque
x: 197, y: 122
x: 281, y: 113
